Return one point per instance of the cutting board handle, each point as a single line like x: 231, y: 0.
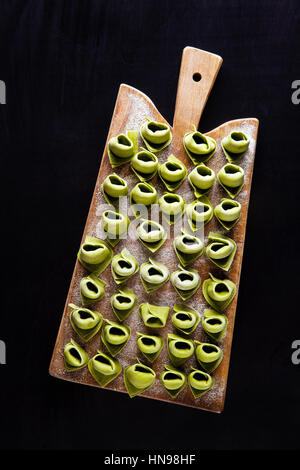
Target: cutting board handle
x: 198, y: 72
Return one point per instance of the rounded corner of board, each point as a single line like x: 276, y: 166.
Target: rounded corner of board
x: 51, y: 371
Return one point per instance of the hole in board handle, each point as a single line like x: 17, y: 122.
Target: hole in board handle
x: 197, y: 77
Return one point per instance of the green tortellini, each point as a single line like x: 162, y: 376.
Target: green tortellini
x: 123, y: 303
x: 218, y: 293
x: 172, y: 173
x: 220, y: 250
x: 75, y: 357
x: 115, y: 225
x: 138, y: 378
x: 142, y: 197
x: 228, y: 213
x: 115, y: 336
x: 145, y: 165
x: 103, y: 368
x: 123, y: 266
x: 214, y: 324
x: 208, y: 355
x: 232, y: 178
x: 200, y: 382
x: 86, y: 323
x: 150, y: 346
x: 185, y: 319
x: 95, y: 255
x: 153, y: 275
x: 154, y: 316
x: 202, y: 179
x: 151, y: 234
x: 156, y: 135
x: 235, y: 145
x: 173, y: 380
x: 122, y: 148
x: 199, y: 212
x: 171, y: 206
x: 91, y: 289
x: 199, y: 147
x: 179, y: 349
x: 187, y: 248
x: 113, y: 188
x: 185, y: 282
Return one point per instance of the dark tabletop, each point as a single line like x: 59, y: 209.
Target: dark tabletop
x: 62, y: 63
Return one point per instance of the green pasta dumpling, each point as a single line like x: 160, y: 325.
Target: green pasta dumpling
x: 151, y: 234
x: 123, y: 266
x: 185, y: 282
x: 156, y: 135
x: 228, y: 213
x: 94, y: 255
x: 154, y: 316
x: 172, y: 173
x: 235, y: 145
x: 199, y: 212
x: 145, y: 165
x: 138, y: 378
x: 150, y: 346
x: 214, y: 324
x: 179, y: 349
x: 173, y: 380
x: 199, y: 147
x: 122, y: 148
x: 153, y: 275
x: 171, y: 206
x: 75, y: 357
x: 113, y: 188
x: 187, y: 248
x: 91, y: 289
x: 115, y: 225
x: 86, y: 323
x: 202, y: 179
x: 220, y: 250
x: 185, y: 319
x: 218, y: 293
x: 115, y: 336
x: 103, y: 368
x: 232, y: 179
x: 123, y: 303
x: 142, y: 197
x: 208, y: 355
x: 200, y: 382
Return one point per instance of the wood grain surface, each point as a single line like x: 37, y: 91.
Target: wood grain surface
x: 130, y: 111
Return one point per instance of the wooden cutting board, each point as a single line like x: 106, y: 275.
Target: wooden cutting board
x: 131, y: 108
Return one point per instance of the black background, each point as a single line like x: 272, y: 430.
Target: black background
x: 62, y: 62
